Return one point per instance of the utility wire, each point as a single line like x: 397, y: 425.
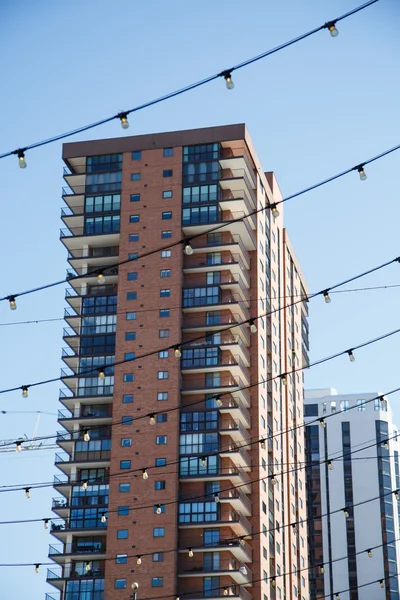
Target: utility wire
x: 226, y: 73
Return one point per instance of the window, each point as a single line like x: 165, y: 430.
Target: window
x: 131, y: 316
x: 157, y: 581
x: 120, y: 584
x: 104, y: 203
x: 198, y: 512
x: 165, y: 293
x: 164, y: 312
x: 122, y: 534
x: 106, y: 224
x: 200, y: 215
x: 161, y: 439
x: 201, y: 295
x: 134, y: 218
x: 131, y: 295
x: 158, y: 557
x: 161, y: 462
x: 104, y: 162
x: 127, y: 420
x: 123, y: 511
x: 161, y: 507
x: 127, y: 399
x: 132, y: 276
x: 361, y: 404
x: 133, y: 255
x: 163, y: 333
x: 167, y: 194
x: 158, y: 532
x: 165, y: 273
x: 136, y: 155
x: 162, y: 418
x: 168, y: 152
x: 130, y: 335
x: 135, y: 177
x: 162, y: 375
x: 167, y: 173
x: 126, y: 442
x: 166, y: 234
x: 163, y: 354
x: 159, y: 485
x: 124, y: 464
x: 162, y: 396
x: 166, y: 215
x: 121, y: 559
x: 133, y: 237
x: 200, y: 194
x: 166, y: 253
x: 135, y: 197
x: 129, y: 377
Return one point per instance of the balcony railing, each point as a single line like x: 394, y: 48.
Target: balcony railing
x: 81, y: 231
x: 224, y: 591
x: 89, y: 392
x: 199, y: 566
x: 70, y: 571
x: 73, y: 524
x: 218, y: 362
x: 90, y: 547
x: 89, y: 411
x: 76, y: 478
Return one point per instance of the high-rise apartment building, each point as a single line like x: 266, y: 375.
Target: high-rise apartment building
x: 215, y: 516
x: 353, y: 516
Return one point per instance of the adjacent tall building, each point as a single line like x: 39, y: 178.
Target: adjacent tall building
x: 163, y: 477
x: 349, y: 552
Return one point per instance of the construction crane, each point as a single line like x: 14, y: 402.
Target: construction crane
x: 27, y: 443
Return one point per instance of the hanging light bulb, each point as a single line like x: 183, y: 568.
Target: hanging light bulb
x: 102, y: 374
x: 177, y: 351
x: 361, y: 172
x: 188, y: 250
x: 46, y: 523
x: 84, y: 484
x: 87, y: 566
x: 322, y: 423
x: 274, y: 211
x: 396, y: 494
x: 332, y: 29
x: 158, y: 509
x: 284, y: 379
x: 145, y: 474
x: 152, y: 418
x: 381, y: 583
x: 369, y: 552
x: 351, y: 355
x: 385, y: 445
x: 203, y: 461
x: 262, y: 444
x: 218, y: 401
x: 273, y: 479
x: 13, y: 304
x: 27, y: 492
x: 86, y: 435
x: 337, y: 597
x: 322, y: 569
x: 124, y: 120
x: 24, y: 389
x: 18, y: 446
x: 346, y: 513
x: 216, y: 497
x: 228, y: 79
x: 190, y: 553
x: 37, y: 568
x: 253, y: 326
x: 242, y: 541
x: 330, y: 465
x: 327, y: 297
x: 21, y: 159
x: 103, y: 518
x: 273, y: 581
x: 139, y: 560
x: 294, y: 527
x: 100, y: 278
x: 225, y: 591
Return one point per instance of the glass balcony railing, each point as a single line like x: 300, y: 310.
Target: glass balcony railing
x: 223, y: 591
x: 87, y: 546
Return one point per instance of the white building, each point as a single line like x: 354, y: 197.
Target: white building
x: 350, y: 552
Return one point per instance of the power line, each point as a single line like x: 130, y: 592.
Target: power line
x: 225, y: 74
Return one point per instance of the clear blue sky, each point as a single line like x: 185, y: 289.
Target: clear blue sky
x: 312, y: 110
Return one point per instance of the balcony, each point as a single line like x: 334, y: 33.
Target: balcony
x: 93, y: 256
x: 235, y: 475
x: 226, y: 364
x: 57, y: 575
x: 224, y: 301
x: 238, y: 523
x: 237, y: 499
x: 193, y: 323
x: 63, y: 531
x: 230, y: 385
x: 86, y: 415
x: 228, y: 262
x: 74, y: 238
x: 91, y: 550
x: 236, y: 411
x: 236, y: 222
x: 234, y: 592
x: 234, y: 158
x: 235, y: 430
x: 239, y: 548
x: 85, y: 460
x: 63, y: 482
x: 87, y: 275
x: 240, y: 573
x: 236, y: 184
x: 227, y: 243
x: 238, y: 455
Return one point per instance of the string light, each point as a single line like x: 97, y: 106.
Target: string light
x: 218, y: 400
x: 322, y: 569
x: 330, y: 465
x: 225, y: 591
x: 228, y: 79
x: 103, y: 518
x: 85, y: 484
x: 37, y: 568
x: 203, y: 461
x: 337, y: 597
x: 13, y: 304
x: 396, y: 494
x: 369, y: 552
x: 158, y: 509
x: 145, y: 475
x: 188, y: 250
x: 381, y: 583
x: 24, y: 389
x: 100, y: 278
x: 327, y: 297
x: 346, y: 513
x: 331, y: 26
x: 190, y: 553
x: 86, y: 435
x: 87, y: 566
x: 123, y: 117
x: 322, y: 423
x: 351, y: 355
x: 21, y: 159
x: 273, y: 581
x: 139, y: 559
x: 27, y: 492
x: 102, y: 374
x: 273, y: 479
x: 216, y: 497
x: 274, y: 210
x: 361, y: 172
x: 177, y: 351
x: 385, y: 445
x: 262, y: 444
x: 18, y: 446
x: 152, y: 418
x: 284, y: 379
x: 253, y: 326
x: 46, y: 523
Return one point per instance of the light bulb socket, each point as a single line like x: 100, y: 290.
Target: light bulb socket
x: 274, y: 211
x: 331, y: 26
x: 228, y: 79
x: 123, y: 117
x: 361, y: 172
x: 21, y: 159
x: 13, y: 304
x: 188, y: 250
x: 24, y: 389
x: 177, y: 351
